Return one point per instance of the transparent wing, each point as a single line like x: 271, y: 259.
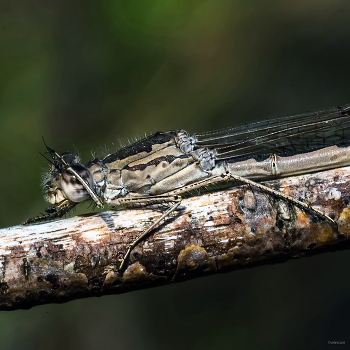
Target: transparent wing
x: 294, y: 133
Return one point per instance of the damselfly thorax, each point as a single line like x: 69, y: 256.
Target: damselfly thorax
x: 161, y: 167
x: 150, y: 167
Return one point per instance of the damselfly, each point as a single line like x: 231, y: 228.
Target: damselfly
x: 160, y: 168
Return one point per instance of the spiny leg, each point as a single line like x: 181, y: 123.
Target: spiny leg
x: 53, y: 212
x: 284, y: 197
x: 228, y: 176
x: 172, y: 196
x: 176, y: 202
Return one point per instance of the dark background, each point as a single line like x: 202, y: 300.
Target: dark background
x: 86, y: 74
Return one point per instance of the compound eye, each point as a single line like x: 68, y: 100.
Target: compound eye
x: 71, y: 186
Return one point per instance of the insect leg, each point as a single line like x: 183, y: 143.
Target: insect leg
x: 280, y: 195
x: 176, y: 202
x: 228, y: 176
x: 53, y: 212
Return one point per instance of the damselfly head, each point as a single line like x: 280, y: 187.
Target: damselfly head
x: 65, y: 179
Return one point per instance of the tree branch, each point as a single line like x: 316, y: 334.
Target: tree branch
x: 216, y: 232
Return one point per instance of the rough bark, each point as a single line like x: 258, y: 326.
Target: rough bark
x: 221, y: 231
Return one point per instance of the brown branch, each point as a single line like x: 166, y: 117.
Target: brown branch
x: 216, y: 232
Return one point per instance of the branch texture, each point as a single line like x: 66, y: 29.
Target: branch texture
x: 216, y: 232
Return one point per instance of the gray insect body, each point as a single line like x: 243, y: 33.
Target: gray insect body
x: 159, y: 168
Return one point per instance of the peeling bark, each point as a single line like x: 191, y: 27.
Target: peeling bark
x: 221, y: 231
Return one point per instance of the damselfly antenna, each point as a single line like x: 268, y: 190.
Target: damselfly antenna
x: 46, y: 158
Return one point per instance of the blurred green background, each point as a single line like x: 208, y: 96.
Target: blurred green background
x: 85, y: 74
